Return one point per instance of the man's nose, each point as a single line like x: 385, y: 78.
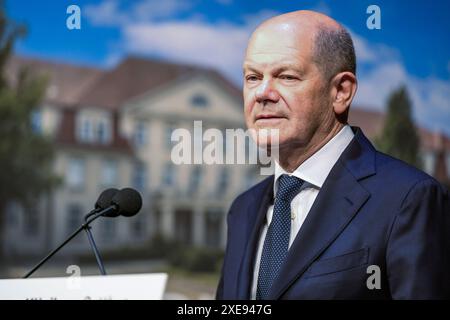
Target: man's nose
x: 266, y: 92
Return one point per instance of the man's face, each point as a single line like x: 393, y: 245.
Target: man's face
x: 283, y: 88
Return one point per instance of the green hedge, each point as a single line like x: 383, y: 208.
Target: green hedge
x: 196, y: 259
x: 193, y: 259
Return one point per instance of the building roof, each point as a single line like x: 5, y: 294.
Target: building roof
x: 371, y: 122
x: 67, y: 83
x: 135, y: 76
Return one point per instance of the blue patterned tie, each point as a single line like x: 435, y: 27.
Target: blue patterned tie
x: 276, y: 244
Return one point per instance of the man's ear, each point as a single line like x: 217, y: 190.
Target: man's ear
x: 344, y: 86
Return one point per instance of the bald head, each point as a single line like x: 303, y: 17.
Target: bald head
x: 301, y: 19
x: 329, y: 44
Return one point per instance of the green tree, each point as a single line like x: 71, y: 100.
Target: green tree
x: 399, y: 137
x: 25, y: 155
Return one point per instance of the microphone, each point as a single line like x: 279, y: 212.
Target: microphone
x: 126, y: 202
x: 103, y: 201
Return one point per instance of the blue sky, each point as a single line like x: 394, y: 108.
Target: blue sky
x: 411, y: 48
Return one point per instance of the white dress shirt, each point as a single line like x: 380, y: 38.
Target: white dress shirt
x: 313, y: 171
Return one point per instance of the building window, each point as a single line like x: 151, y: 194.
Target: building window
x: 196, y: 177
x: 140, y: 134
x: 198, y: 140
x: 213, y: 227
x: 140, y: 177
x: 108, y: 230
x: 183, y: 226
x: 85, y: 132
x: 103, y: 132
x: 109, y: 173
x: 31, y: 222
x: 138, y: 227
x: 169, y: 173
x: 76, y: 173
x: 36, y: 121
x: 222, y: 183
x: 199, y: 100
x: 74, y: 217
x: 169, y: 129
x: 91, y: 130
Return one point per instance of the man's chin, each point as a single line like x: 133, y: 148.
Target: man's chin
x: 266, y: 137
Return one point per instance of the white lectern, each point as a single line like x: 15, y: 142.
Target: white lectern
x: 148, y: 286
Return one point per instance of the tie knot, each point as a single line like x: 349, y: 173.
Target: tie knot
x: 288, y: 187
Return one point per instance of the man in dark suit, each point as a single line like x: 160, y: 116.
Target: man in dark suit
x: 337, y: 220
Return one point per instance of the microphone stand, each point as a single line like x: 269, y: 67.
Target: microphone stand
x: 87, y: 228
x: 83, y: 226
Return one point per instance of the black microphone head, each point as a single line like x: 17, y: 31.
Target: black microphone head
x: 105, y: 198
x: 128, y: 202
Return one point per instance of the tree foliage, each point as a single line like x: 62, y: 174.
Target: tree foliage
x: 399, y: 137
x: 25, y: 155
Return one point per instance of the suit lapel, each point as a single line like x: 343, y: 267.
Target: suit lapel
x: 339, y: 199
x: 256, y: 214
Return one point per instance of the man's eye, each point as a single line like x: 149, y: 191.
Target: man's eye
x: 288, y: 77
x: 251, y: 78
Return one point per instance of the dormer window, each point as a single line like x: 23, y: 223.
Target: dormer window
x: 93, y: 128
x: 103, y: 131
x: 85, y: 132
x: 199, y: 100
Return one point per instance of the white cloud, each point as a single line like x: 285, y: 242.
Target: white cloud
x: 431, y: 98
x: 363, y: 52
x: 150, y: 9
x: 221, y: 45
x: 372, y: 52
x: 322, y: 7
x: 375, y: 86
x: 192, y: 42
x: 106, y: 13
x: 109, y: 12
x: 253, y: 20
x: 113, y: 59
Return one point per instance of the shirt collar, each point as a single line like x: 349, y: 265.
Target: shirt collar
x: 316, y: 168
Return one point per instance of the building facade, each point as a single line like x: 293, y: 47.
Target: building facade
x: 116, y: 132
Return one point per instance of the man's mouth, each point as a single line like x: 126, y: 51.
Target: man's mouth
x: 268, y: 118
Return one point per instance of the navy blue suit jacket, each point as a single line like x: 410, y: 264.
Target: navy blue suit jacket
x: 371, y: 210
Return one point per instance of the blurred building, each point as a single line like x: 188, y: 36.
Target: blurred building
x: 112, y: 128
x: 434, y: 146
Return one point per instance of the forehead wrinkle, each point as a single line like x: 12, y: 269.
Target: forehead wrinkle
x: 277, y: 67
